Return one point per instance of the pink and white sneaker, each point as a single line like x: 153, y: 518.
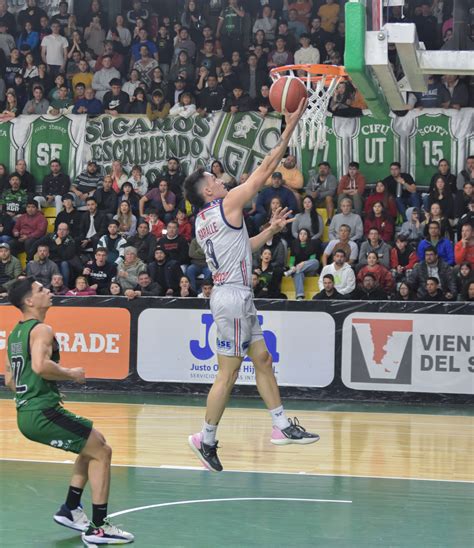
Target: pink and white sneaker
x: 293, y: 433
x: 207, y: 454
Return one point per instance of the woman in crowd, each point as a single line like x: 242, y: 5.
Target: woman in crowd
x: 184, y: 226
x: 119, y: 177
x: 94, y: 35
x: 436, y: 214
x: 263, y: 101
x: 381, y: 194
x: 269, y: 277
x: 185, y: 107
x: 127, y: 193
x: 30, y: 70
x: 311, y: 220
x: 217, y: 169
x: 129, y: 268
x: 303, y: 261
x: 468, y: 292
x: 127, y: 220
x: 185, y: 289
x: 132, y: 83
x: 71, y: 27
x: 382, y: 275
x: 28, y: 37
x: 139, y: 25
x: 139, y: 181
x: 115, y: 289
x: 119, y: 33
x: 81, y: 288
x: 76, y: 43
x: 11, y: 109
x: 464, y: 275
x: 441, y: 194
x: 138, y: 103
x: 444, y: 170
x: 379, y: 219
x: 182, y: 67
x: 193, y: 20
x: 159, y: 108
x: 21, y: 91
x: 404, y: 293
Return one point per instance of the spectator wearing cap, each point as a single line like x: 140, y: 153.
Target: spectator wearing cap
x: 103, y: 77
x: 69, y: 215
x: 115, y: 101
x: 165, y: 272
x: 211, y: 98
x: 89, y: 104
x: 264, y: 198
x: 86, y: 183
x: 173, y: 93
x: 158, y: 107
x: 10, y: 268
x: 238, y: 101
x: 54, y: 186
x: 328, y: 291
x: 113, y: 242
x: 37, y: 105
x: 432, y: 266
x: 306, y: 54
x: 28, y: 229
x: 145, y: 65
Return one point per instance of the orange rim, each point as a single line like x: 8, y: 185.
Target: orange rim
x: 316, y: 72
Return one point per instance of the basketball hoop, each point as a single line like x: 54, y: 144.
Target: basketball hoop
x: 321, y: 82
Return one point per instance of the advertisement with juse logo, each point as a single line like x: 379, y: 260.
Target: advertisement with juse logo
x: 409, y: 353
x: 182, y: 345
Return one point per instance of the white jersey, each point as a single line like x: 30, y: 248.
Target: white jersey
x: 227, y: 249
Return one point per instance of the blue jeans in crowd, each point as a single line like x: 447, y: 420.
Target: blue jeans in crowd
x: 310, y: 268
x: 403, y: 202
x: 193, y: 271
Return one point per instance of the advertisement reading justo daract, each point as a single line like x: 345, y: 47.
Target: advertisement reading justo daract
x: 182, y: 346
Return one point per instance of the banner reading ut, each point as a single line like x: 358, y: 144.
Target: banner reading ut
x: 97, y: 339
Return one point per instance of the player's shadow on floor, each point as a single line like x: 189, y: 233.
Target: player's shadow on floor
x: 73, y: 541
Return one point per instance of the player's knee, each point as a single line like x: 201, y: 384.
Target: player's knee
x: 264, y: 362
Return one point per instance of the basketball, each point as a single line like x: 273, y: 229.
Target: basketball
x: 286, y: 93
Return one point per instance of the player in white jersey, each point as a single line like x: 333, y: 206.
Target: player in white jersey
x: 222, y: 234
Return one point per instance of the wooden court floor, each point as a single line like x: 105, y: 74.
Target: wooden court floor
x: 374, y: 479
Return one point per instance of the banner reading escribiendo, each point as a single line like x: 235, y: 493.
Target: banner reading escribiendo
x: 408, y: 353
x: 180, y: 346
x: 97, y: 339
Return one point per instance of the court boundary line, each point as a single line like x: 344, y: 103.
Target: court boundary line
x: 239, y: 499
x: 197, y: 469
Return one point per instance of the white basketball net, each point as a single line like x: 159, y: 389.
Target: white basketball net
x: 312, y: 126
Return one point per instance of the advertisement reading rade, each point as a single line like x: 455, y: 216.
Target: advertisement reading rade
x: 302, y: 345
x: 409, y: 353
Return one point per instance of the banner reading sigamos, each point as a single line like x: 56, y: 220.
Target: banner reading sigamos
x: 180, y: 346
x: 88, y: 337
x: 408, y: 353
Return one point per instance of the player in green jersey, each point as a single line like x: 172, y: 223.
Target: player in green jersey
x: 32, y: 369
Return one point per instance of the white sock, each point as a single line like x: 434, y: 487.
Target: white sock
x: 279, y: 418
x: 209, y: 433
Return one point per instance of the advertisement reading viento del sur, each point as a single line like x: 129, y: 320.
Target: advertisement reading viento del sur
x: 301, y: 343
x: 409, y: 353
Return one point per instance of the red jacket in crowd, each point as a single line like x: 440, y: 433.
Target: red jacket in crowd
x: 464, y: 254
x: 345, y: 184
x: 382, y: 275
x: 384, y: 226
x: 31, y: 226
x: 185, y: 230
x: 394, y: 262
x: 390, y: 206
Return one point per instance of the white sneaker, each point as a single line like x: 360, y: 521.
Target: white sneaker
x: 290, y: 272
x: 74, y: 519
x: 106, y: 534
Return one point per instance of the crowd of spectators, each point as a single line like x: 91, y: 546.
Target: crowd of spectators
x: 165, y: 59
x: 120, y: 234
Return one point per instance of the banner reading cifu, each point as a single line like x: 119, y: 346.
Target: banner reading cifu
x: 180, y: 346
x: 239, y: 141
x: 97, y: 339
x: 409, y: 353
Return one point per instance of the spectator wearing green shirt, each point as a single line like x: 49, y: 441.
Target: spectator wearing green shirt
x: 13, y: 200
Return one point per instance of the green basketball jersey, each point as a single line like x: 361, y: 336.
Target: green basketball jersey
x: 8, y: 146
x: 32, y: 391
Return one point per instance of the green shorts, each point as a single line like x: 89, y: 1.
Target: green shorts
x: 56, y: 427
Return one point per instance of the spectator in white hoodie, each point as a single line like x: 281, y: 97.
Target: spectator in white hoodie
x: 185, y: 107
x: 102, y: 78
x: 344, y: 277
x: 307, y: 54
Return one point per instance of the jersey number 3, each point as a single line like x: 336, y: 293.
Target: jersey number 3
x: 18, y: 363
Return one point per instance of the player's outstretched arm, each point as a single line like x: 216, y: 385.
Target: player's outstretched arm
x: 41, y: 347
x: 239, y: 196
x: 277, y: 223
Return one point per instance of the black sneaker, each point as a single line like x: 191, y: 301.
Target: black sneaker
x: 106, y: 534
x: 293, y: 433
x: 328, y: 221
x: 207, y: 454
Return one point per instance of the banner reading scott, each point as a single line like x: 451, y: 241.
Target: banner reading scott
x: 240, y: 141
